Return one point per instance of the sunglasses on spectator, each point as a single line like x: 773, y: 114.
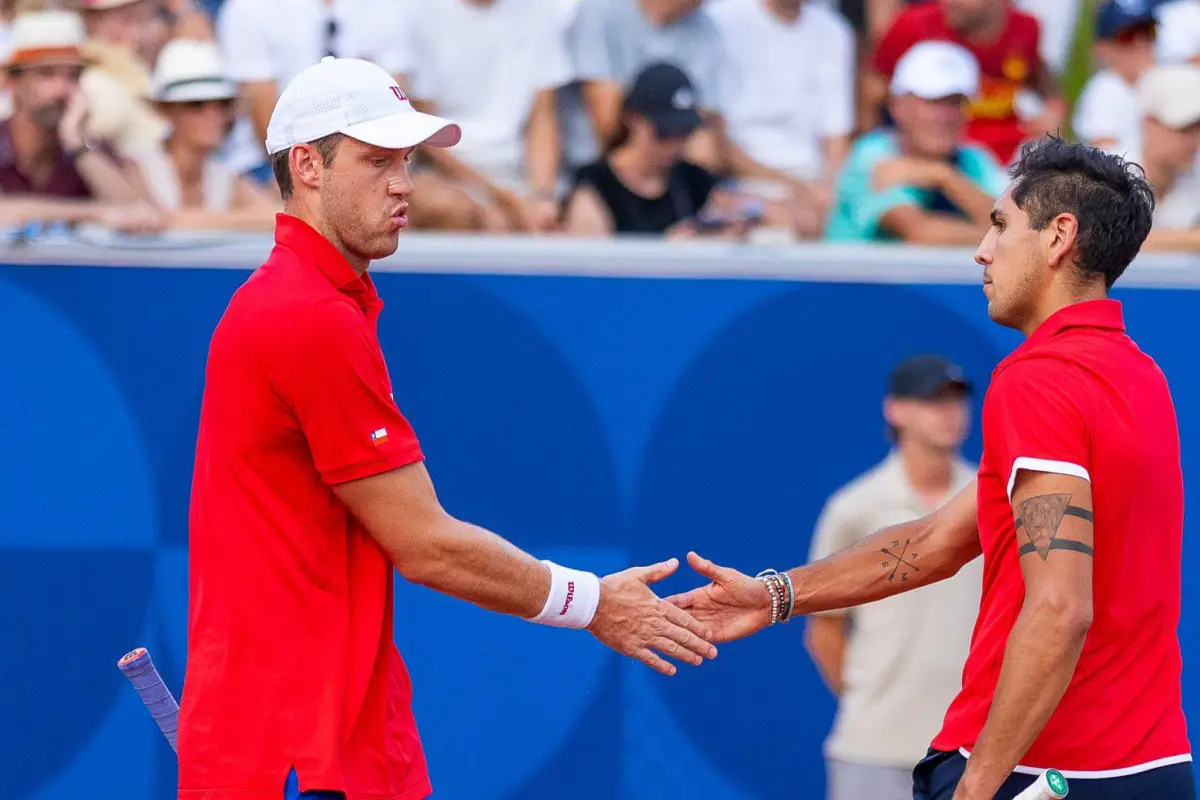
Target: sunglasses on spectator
x: 225, y: 104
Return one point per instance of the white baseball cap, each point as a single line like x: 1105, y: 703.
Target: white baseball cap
x: 356, y: 98
x: 1171, y: 94
x: 934, y: 70
x: 188, y: 70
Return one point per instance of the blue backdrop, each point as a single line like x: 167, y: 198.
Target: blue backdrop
x: 599, y: 422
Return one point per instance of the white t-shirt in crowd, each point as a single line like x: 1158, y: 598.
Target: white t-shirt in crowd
x: 257, y: 47
x: 1109, y: 109
x: 785, y: 87
x: 483, y: 65
x: 1057, y: 20
x: 905, y: 654
x: 1178, y: 38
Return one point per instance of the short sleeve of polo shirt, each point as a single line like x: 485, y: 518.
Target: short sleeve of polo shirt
x: 1038, y: 419
x: 330, y: 372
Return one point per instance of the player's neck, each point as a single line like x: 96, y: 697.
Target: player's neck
x: 293, y: 207
x: 1062, y: 299
x: 930, y: 472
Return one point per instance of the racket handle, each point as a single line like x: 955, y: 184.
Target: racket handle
x: 140, y: 670
x: 1050, y: 785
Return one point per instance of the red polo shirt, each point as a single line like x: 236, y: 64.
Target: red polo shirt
x: 1006, y: 66
x: 1079, y: 398
x: 291, y: 661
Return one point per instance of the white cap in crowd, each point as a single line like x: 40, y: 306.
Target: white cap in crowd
x: 1171, y: 94
x: 934, y: 70
x: 189, y: 70
x: 355, y: 98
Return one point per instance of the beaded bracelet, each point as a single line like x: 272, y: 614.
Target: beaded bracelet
x: 783, y: 596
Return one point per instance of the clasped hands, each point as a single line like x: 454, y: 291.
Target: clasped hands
x: 632, y: 620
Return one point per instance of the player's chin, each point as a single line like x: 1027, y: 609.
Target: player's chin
x: 383, y: 245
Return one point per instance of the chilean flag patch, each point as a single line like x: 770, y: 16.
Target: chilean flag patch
x: 379, y: 437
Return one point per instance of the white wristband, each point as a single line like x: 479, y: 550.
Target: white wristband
x: 573, y: 598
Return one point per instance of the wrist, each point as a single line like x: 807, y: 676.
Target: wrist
x: 572, y: 600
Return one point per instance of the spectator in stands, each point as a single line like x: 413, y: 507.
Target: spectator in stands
x: 1107, y: 114
x: 921, y: 182
x: 787, y: 89
x: 610, y: 42
x: 262, y: 55
x: 184, y: 175
x: 123, y: 38
x: 1178, y: 40
x: 501, y: 88
x: 896, y: 664
x: 1169, y: 96
x: 50, y: 170
x: 643, y: 185
x: 1005, y: 42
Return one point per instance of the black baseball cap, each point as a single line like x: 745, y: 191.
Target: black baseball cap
x: 663, y: 94
x: 923, y: 377
x: 1117, y: 16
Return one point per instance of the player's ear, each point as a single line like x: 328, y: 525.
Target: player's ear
x: 893, y: 412
x: 307, y: 165
x: 1059, y: 238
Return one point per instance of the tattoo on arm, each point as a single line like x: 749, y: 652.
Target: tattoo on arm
x: 1039, y: 518
x: 898, y: 560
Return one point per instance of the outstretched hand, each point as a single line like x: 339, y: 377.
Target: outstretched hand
x: 631, y: 619
x: 733, y: 605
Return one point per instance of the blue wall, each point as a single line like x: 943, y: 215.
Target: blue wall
x: 599, y: 422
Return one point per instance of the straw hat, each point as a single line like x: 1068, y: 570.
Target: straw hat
x: 45, y: 37
x: 190, y: 70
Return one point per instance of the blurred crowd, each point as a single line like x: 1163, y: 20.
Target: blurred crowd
x: 783, y: 120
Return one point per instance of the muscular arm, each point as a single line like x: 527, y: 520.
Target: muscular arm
x: 1053, y: 515
x: 894, y: 560
x: 431, y: 548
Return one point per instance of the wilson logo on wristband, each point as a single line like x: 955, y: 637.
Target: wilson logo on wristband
x: 570, y: 597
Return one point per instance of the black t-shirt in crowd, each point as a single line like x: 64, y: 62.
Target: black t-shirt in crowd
x: 688, y: 188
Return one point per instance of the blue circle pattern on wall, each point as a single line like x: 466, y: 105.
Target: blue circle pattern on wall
x: 768, y: 414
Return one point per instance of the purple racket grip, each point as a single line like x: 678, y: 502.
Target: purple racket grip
x: 139, y: 668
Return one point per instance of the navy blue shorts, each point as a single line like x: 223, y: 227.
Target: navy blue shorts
x: 291, y: 791
x: 938, y: 774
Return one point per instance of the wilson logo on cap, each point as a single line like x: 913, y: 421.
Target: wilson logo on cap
x: 400, y: 95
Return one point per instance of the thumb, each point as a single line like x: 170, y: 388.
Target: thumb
x: 659, y: 571
x: 715, y: 573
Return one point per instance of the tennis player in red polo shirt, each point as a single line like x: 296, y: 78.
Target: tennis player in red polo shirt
x: 309, y: 487
x: 1078, y: 511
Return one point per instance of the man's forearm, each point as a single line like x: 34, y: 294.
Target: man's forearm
x: 1039, y: 659
x: 972, y: 200
x: 24, y: 210
x: 105, y: 178
x: 894, y: 560
x: 476, y: 565
x: 542, y: 149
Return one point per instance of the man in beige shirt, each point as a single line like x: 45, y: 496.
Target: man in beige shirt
x: 896, y: 664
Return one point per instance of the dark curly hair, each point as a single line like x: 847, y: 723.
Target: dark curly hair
x: 1109, y: 196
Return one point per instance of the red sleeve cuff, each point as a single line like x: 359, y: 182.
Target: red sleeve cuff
x: 410, y: 454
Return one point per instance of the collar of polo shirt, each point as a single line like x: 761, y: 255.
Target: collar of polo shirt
x: 302, y: 239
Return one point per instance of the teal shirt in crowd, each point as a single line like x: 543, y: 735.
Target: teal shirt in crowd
x: 858, y: 206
